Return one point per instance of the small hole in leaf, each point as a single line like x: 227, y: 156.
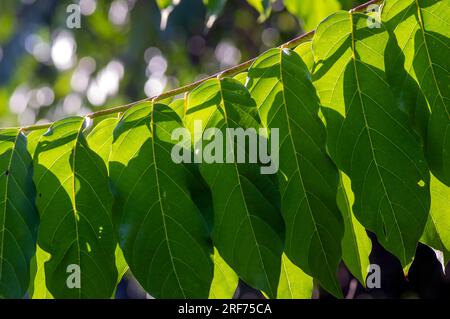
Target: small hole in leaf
x: 6, y: 172
x: 421, y: 183
x: 40, y: 194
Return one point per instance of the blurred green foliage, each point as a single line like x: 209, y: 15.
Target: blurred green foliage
x: 120, y: 54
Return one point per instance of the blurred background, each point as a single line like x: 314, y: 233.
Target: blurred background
x: 121, y: 54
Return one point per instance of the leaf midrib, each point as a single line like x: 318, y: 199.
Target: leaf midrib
x: 299, y: 170
x: 4, y: 209
x: 163, y: 215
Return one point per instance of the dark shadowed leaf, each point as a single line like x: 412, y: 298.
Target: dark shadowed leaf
x: 247, y: 227
x: 422, y: 31
x: 18, y: 215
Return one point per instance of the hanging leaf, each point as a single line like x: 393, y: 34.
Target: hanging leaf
x: 281, y: 86
x: 18, y: 215
x: 72, y: 182
x: 101, y: 137
x: 161, y: 232
x: 178, y: 107
x: 422, y: 31
x: 305, y: 53
x: 38, y: 288
x: 369, y: 137
x: 294, y: 283
x: 247, y: 226
x: 100, y: 140
x: 437, y: 230
x: 356, y: 245
x: 225, y: 280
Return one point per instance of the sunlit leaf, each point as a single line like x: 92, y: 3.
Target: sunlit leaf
x: 72, y: 183
x: 281, y: 85
x: 356, y: 245
x: 100, y: 140
x: 161, y: 232
x: 294, y: 283
x: 225, y: 280
x: 437, y: 230
x: 247, y: 227
x: 38, y: 288
x: 422, y: 31
x: 311, y: 12
x: 369, y: 136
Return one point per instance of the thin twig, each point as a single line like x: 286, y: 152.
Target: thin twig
x: 189, y: 87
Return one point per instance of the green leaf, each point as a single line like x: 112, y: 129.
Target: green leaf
x: 225, y: 280
x: 101, y: 137
x: 369, y: 136
x: 74, y: 204
x: 247, y: 228
x: 281, y: 85
x: 356, y: 245
x: 311, y: 12
x: 100, y: 140
x: 422, y: 31
x: 241, y: 77
x: 38, y: 288
x: 264, y: 8
x: 161, y: 232
x: 437, y: 230
x: 294, y: 283
x: 178, y: 107
x: 33, y: 140
x: 304, y: 50
x: 18, y: 215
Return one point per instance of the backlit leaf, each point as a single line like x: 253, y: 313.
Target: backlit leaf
x: 18, y: 215
x: 161, y: 232
x: 247, y: 229
x: 369, y: 136
x: 74, y: 204
x: 281, y: 86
